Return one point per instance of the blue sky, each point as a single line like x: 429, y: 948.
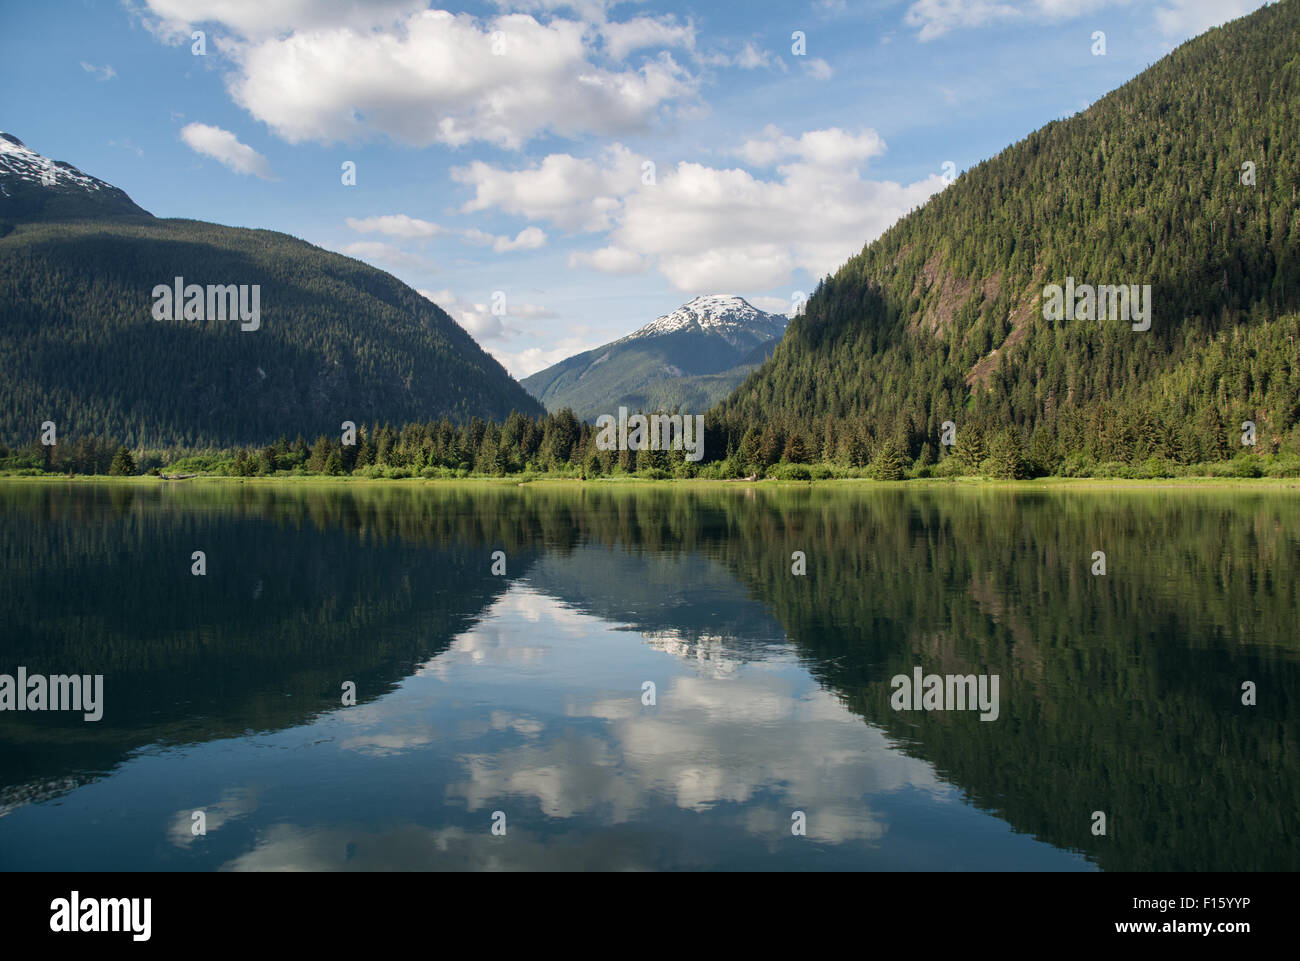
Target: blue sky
x: 501, y: 148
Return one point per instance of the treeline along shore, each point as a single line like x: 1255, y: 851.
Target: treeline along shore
x: 559, y: 445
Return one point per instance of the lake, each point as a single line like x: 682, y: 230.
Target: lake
x: 649, y: 684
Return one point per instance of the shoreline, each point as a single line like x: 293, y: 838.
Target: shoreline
x: 843, y: 483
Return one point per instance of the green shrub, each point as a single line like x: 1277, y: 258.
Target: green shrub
x: 1283, y: 465
x: 792, y: 472
x: 1247, y: 465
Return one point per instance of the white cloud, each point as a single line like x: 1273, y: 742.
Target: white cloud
x: 818, y: 69
x: 224, y: 147
x: 530, y: 238
x: 609, y: 260
x: 773, y: 305
x: 749, y: 58
x: 641, y: 32
x: 479, y: 238
x: 493, y: 332
x: 376, y: 252
x: 707, y: 228
x: 1178, y: 19
x: 175, y: 19
x: 435, y: 79
x: 103, y: 73
x: 574, y: 194
x: 522, y: 363
x: 937, y: 17
x: 394, y: 225
x: 479, y: 320
x: 831, y: 147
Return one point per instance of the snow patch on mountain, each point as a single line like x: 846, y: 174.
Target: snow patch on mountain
x: 20, y: 161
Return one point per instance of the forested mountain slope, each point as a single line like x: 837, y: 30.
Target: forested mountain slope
x: 335, y: 339
x: 1186, y: 179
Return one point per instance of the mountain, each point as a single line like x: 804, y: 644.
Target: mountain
x: 1186, y: 179
x: 335, y: 339
x: 690, y: 358
x: 33, y: 187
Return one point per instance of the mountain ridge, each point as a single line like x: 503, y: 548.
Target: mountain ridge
x: 34, y: 187
x: 687, y: 358
x: 1183, y: 179
x: 337, y: 339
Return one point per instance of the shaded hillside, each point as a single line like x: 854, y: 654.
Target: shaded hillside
x: 942, y: 317
x: 335, y: 339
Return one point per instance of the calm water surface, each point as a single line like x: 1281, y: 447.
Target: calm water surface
x: 523, y: 694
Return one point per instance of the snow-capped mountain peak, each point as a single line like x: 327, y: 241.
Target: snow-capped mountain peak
x: 19, y: 160
x: 727, y: 315
x: 34, y: 187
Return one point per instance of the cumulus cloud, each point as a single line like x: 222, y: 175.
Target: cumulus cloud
x: 522, y: 363
x: 479, y: 320
x: 494, y: 333
x: 831, y: 147
x: 640, y: 32
x: 438, y: 77
x: 774, y: 305
x: 394, y: 225
x: 530, y: 238
x: 609, y: 260
x: 224, y: 147
x: 173, y: 20
x: 575, y: 194
x: 708, y: 228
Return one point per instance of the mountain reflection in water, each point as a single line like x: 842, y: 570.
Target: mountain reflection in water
x: 523, y: 694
